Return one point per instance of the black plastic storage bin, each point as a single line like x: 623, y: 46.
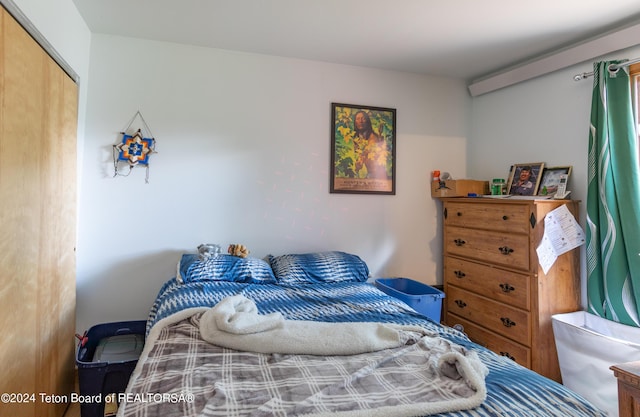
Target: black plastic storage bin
x: 100, y: 377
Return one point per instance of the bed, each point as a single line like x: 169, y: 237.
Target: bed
x: 438, y: 372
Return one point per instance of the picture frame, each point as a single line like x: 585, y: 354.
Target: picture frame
x: 551, y: 178
x: 363, y: 149
x: 520, y: 185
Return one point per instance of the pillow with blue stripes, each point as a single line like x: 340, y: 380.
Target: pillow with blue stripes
x: 318, y: 267
x: 224, y: 267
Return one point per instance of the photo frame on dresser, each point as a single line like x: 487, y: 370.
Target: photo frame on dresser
x: 551, y: 179
x: 524, y: 179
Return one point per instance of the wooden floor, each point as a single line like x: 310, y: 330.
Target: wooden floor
x: 74, y: 408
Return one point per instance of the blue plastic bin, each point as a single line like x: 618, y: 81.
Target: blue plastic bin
x: 104, y: 377
x: 423, y: 298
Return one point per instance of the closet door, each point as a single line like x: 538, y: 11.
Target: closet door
x: 38, y: 124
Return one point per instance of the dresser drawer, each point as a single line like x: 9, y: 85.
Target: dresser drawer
x: 508, y: 321
x: 492, y: 341
x: 507, y: 249
x: 513, y: 218
x: 495, y: 283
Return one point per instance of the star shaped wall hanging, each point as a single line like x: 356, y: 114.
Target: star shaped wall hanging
x: 134, y: 148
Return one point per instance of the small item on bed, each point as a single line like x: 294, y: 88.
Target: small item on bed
x: 207, y: 250
x: 236, y: 324
x: 240, y: 251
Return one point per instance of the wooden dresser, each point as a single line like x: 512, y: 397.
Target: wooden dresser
x: 495, y: 288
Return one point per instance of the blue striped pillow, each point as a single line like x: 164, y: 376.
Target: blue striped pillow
x: 318, y: 267
x: 224, y: 268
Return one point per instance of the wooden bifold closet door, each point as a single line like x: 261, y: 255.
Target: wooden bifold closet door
x: 38, y: 125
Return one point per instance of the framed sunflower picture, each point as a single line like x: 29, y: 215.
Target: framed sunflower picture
x: 363, y: 149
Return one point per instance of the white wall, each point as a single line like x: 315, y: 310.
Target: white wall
x: 243, y: 145
x: 542, y: 120
x: 545, y: 120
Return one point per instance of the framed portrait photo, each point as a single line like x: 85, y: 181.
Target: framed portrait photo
x: 551, y: 179
x: 363, y: 149
x: 525, y: 178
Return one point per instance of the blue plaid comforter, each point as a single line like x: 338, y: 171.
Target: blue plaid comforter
x: 512, y: 389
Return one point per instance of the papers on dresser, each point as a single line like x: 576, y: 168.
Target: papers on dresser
x: 562, y: 233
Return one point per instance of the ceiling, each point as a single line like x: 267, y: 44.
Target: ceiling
x: 465, y: 39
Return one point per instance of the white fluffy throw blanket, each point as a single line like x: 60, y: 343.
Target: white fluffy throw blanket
x: 235, y: 323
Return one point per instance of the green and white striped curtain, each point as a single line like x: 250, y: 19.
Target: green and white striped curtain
x: 613, y: 199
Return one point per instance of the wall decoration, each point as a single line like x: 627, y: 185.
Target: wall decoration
x: 525, y: 178
x: 363, y: 149
x: 134, y: 148
x: 551, y: 179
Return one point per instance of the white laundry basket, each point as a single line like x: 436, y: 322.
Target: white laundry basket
x: 587, y: 346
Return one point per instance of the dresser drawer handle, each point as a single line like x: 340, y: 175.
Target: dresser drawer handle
x: 507, y: 355
x: 506, y: 288
x: 505, y: 250
x: 459, y: 214
x: 459, y: 274
x: 459, y: 242
x: 505, y: 217
x: 506, y: 321
x: 461, y: 303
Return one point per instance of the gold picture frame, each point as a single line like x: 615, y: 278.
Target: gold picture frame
x: 524, y: 179
x: 363, y: 149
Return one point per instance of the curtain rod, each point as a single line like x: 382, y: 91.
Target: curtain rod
x: 612, y: 67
